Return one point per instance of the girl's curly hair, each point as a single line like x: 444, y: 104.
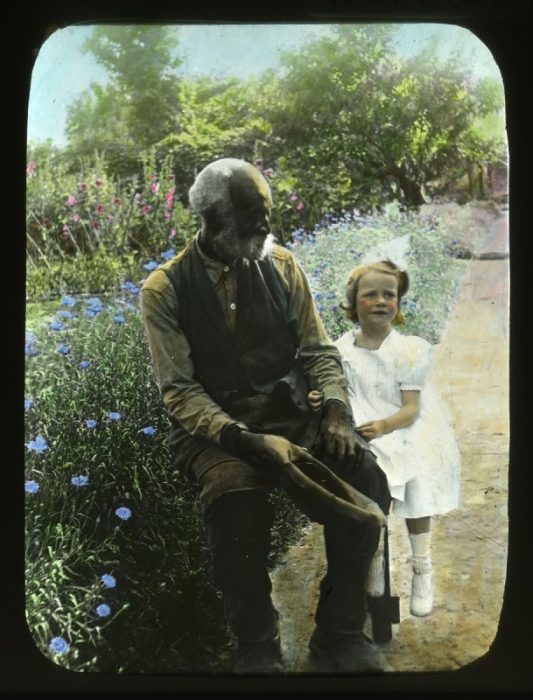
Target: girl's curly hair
x: 354, y: 278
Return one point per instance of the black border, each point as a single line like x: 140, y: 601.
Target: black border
x: 503, y: 27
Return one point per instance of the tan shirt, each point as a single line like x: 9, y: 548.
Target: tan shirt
x: 184, y: 398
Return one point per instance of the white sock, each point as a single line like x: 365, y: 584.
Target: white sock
x: 421, y: 548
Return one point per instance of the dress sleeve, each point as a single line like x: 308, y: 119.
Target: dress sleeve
x: 414, y: 361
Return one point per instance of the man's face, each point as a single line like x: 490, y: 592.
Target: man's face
x: 246, y: 233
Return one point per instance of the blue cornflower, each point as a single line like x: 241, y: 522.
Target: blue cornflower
x: 63, y: 349
x: 31, y: 486
x: 68, y: 300
x: 91, y: 312
x: 94, y: 306
x: 335, y: 308
x: 91, y: 423
x: 65, y: 314
x: 37, y: 445
x: 94, y: 302
x: 151, y: 265
x: 119, y: 318
x: 130, y: 287
x: 28, y: 403
x: 29, y: 348
x: 84, y: 364
x: 59, y: 645
x: 113, y: 415
x: 56, y: 326
x: 123, y: 513
x: 319, y: 296
x: 103, y: 610
x: 168, y: 254
x: 148, y: 430
x: 108, y: 580
x: 80, y: 480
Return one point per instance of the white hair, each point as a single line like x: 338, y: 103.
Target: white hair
x: 211, y: 186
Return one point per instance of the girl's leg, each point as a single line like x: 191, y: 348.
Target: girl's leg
x: 422, y: 588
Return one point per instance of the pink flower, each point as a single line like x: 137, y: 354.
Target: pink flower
x: 300, y: 206
x: 269, y: 172
x: 147, y: 209
x: 172, y: 232
x: 76, y: 217
x: 293, y: 197
x: 98, y: 182
x: 167, y: 215
x: 66, y: 231
x: 100, y: 209
x: 71, y: 201
x: 137, y: 197
x: 154, y: 187
x: 117, y: 201
x: 83, y: 186
x: 31, y: 168
x: 111, y: 217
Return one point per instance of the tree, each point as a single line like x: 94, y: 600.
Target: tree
x: 140, y: 105
x: 351, y: 113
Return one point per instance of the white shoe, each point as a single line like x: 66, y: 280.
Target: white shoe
x: 375, y: 583
x: 422, y: 588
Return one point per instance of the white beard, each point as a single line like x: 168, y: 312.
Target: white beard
x: 227, y: 246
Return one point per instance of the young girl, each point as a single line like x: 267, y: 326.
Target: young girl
x: 400, y: 414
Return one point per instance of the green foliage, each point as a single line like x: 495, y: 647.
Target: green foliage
x: 86, y: 230
x: 90, y: 363
x: 164, y: 608
x: 141, y: 104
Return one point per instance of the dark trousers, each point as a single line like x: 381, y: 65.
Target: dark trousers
x: 238, y: 532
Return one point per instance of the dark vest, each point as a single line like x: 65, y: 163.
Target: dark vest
x: 261, y: 350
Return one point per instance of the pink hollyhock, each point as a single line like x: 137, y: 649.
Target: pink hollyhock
x: 147, y: 209
x: 100, y: 209
x: 98, y: 182
x: 31, y: 168
x: 76, y: 217
x: 71, y: 201
x: 154, y: 187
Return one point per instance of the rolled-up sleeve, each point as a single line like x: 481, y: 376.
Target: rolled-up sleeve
x: 183, y: 397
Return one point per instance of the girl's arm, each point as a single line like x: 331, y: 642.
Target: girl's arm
x: 401, y: 419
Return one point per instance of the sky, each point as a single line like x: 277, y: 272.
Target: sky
x: 62, y: 71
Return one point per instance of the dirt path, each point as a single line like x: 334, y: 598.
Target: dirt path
x: 469, y: 546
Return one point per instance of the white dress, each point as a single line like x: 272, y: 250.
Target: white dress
x: 421, y: 461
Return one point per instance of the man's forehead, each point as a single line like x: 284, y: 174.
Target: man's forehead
x: 248, y: 185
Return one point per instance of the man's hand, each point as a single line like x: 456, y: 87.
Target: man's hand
x: 337, y: 432
x: 273, y: 448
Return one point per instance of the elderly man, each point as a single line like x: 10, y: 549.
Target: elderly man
x: 236, y: 343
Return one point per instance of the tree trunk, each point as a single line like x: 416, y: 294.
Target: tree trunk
x: 411, y: 189
x: 480, y: 182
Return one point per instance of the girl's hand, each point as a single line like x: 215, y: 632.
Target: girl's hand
x: 371, y: 430
x: 315, y: 399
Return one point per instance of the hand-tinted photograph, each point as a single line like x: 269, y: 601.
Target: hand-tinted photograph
x: 266, y: 397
